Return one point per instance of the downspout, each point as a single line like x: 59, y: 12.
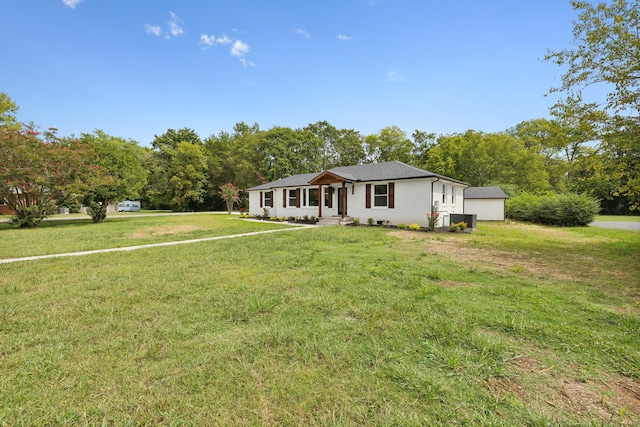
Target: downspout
x: 432, y: 200
x: 320, y: 200
x: 343, y: 196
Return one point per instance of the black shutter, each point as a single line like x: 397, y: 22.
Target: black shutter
x: 368, y: 197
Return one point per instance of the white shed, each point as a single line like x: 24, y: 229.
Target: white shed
x: 488, y: 203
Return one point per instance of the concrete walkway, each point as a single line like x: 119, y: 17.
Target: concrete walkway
x: 151, y: 245
x: 622, y: 225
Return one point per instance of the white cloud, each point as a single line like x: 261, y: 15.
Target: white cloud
x: 303, y: 33
x: 154, y: 29
x: 71, y: 3
x: 343, y: 37
x: 240, y: 50
x: 174, y: 25
x: 209, y: 41
x: 393, y: 76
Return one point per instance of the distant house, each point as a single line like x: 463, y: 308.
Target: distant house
x: 391, y: 192
x: 488, y: 203
x: 5, y: 210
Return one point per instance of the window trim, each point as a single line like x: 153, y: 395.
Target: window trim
x: 371, y: 196
x: 380, y: 196
x: 292, y: 197
x: 268, y: 199
x: 317, y: 198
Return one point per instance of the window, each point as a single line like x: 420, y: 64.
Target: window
x: 328, y: 197
x: 383, y: 195
x: 313, y: 197
x: 380, y: 195
x: 444, y: 194
x: 293, y: 198
x: 268, y: 200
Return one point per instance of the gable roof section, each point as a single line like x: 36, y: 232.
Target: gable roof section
x: 385, y: 171
x: 331, y: 176
x: 494, y: 192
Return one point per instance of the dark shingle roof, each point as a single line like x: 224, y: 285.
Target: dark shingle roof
x: 382, y: 171
x: 484, y: 193
x: 393, y: 170
x: 290, y: 181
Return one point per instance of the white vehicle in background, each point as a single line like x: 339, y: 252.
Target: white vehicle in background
x: 129, y: 206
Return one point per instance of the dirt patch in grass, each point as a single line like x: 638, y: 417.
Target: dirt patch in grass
x: 533, y: 263
x: 165, y: 230
x: 614, y: 400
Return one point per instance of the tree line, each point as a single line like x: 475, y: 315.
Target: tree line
x: 589, y: 148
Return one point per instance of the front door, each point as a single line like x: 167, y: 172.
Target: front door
x: 340, y: 201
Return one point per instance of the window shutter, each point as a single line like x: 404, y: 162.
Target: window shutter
x: 284, y: 198
x: 392, y: 194
x: 271, y: 202
x: 367, y: 196
x: 297, y: 197
x: 261, y: 199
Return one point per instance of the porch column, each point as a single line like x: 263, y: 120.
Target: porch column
x: 343, y: 196
x: 320, y: 200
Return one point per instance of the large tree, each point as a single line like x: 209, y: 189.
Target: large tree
x: 187, y: 176
x: 122, y: 161
x: 233, y: 157
x: 288, y: 152
x: 177, y: 171
x: 8, y: 110
x: 36, y: 173
x: 488, y: 159
x: 391, y: 143
x: 606, y: 52
x: 341, y: 147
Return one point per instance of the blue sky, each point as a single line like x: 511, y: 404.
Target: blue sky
x: 135, y: 68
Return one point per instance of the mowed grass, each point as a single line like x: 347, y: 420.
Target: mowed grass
x: 618, y: 218
x: 513, y: 324
x: 120, y: 230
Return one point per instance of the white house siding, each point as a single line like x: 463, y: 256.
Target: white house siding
x: 485, y: 209
x: 279, y: 210
x: 412, y: 202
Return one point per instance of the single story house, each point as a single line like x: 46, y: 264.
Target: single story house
x: 388, y: 192
x: 487, y: 203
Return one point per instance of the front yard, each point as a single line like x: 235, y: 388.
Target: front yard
x: 513, y: 324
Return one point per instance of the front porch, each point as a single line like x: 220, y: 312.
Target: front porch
x: 327, y: 178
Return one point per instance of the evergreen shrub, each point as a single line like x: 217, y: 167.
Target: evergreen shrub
x: 564, y: 210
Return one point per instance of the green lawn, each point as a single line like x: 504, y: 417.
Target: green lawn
x: 618, y: 218
x: 513, y: 324
x: 120, y: 230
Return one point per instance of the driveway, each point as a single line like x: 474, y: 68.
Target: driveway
x: 622, y: 225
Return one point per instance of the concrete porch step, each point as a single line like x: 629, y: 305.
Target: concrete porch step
x: 334, y: 220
